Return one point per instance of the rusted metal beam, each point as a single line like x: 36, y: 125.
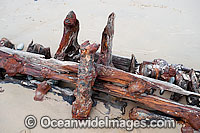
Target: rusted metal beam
x: 69, y: 46
x: 86, y: 76
x: 14, y: 62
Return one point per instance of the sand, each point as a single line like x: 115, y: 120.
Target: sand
x: 148, y: 28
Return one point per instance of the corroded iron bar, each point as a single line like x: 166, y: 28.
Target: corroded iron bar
x: 86, y: 76
x: 105, y: 57
x: 69, y: 46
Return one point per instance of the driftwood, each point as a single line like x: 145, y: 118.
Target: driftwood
x: 109, y: 80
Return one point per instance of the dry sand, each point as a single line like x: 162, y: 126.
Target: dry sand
x: 167, y: 29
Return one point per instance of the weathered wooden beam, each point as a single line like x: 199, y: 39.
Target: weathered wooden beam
x: 188, y: 114
x: 142, y: 114
x: 86, y: 76
x: 14, y: 62
x: 105, y: 56
x: 69, y: 46
x: 149, y: 116
x: 109, y: 80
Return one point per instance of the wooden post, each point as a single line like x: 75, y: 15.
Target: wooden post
x: 86, y: 77
x: 105, y: 57
x: 69, y: 46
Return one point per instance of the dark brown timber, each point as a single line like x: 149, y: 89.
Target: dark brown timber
x: 86, y: 76
x: 69, y: 46
x: 105, y: 56
x: 142, y: 114
x: 41, y: 90
x: 109, y: 80
x: 39, y: 49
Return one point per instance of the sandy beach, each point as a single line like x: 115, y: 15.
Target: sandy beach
x: 148, y: 28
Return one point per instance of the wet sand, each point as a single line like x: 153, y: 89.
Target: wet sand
x: 148, y: 28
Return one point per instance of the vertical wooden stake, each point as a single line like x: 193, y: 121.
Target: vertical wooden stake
x: 86, y: 77
x: 106, y: 42
x: 69, y: 46
x: 132, y: 64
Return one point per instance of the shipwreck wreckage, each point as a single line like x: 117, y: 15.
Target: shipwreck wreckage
x: 89, y: 74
